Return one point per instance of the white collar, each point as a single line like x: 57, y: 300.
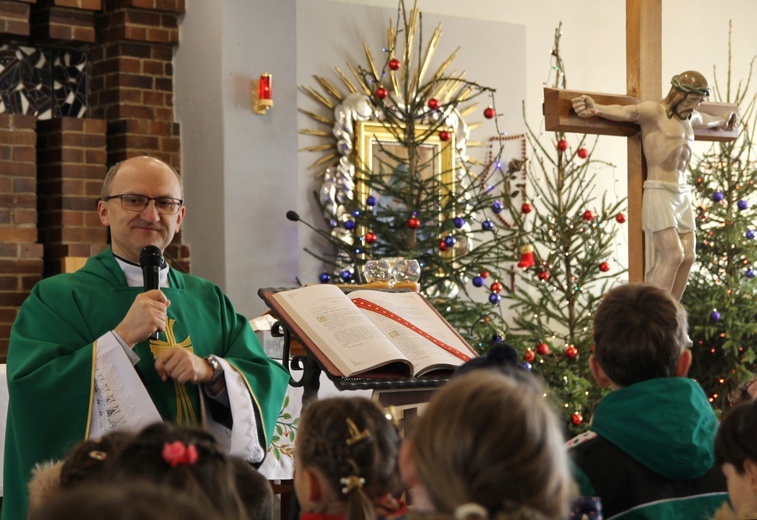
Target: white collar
x: 133, y: 273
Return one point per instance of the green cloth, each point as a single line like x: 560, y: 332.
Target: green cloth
x: 51, y: 361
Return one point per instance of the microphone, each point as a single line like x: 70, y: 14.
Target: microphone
x: 150, y: 260
x: 340, y: 245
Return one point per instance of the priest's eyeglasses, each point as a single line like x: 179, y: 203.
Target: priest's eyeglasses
x: 134, y: 202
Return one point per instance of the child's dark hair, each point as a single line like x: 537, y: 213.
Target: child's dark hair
x: 184, y: 458
x: 138, y: 498
x: 353, y: 444
x: 735, y: 440
x: 89, y: 460
x: 639, y: 333
x: 254, y: 489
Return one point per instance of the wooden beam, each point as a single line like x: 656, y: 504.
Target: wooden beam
x: 560, y: 117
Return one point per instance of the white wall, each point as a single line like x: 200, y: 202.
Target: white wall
x: 241, y: 170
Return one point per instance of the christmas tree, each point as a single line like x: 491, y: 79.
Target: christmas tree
x: 400, y: 184
x: 720, y: 296
x: 568, y: 240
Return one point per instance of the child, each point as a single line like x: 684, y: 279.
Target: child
x: 736, y: 454
x: 88, y: 461
x: 649, y: 450
x: 131, y: 500
x: 184, y: 458
x: 488, y: 446
x: 346, y: 461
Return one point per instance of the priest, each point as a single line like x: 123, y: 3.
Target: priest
x: 94, y: 351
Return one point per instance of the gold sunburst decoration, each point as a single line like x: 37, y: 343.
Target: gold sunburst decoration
x: 358, y: 96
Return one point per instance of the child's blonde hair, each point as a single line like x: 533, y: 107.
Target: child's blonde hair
x: 488, y: 440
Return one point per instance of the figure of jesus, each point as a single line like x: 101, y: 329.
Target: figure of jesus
x: 666, y: 133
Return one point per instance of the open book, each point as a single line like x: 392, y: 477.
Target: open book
x: 371, y: 333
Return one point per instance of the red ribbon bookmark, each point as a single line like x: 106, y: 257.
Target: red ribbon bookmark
x: 365, y: 304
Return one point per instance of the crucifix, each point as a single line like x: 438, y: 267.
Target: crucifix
x: 643, y: 82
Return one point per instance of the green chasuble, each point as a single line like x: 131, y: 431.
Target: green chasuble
x: 51, y: 359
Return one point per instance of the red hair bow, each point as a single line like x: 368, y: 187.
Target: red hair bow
x: 176, y: 454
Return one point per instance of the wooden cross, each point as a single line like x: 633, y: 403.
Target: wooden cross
x: 644, y: 82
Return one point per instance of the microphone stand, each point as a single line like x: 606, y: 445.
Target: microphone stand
x: 340, y: 245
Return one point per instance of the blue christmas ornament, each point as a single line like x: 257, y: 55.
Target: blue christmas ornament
x: 458, y: 222
x: 749, y: 273
x: 742, y: 204
x: 496, y: 338
x: 346, y: 276
x: 749, y: 234
x: 497, y: 207
x: 715, y: 316
x: 371, y: 200
x: 717, y: 196
x: 526, y: 365
x: 356, y: 213
x: 478, y: 281
x: 450, y: 241
x: 494, y: 298
x: 324, y: 278
x: 349, y: 224
x: 487, y: 225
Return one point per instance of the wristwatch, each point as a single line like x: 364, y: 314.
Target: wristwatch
x: 216, y: 366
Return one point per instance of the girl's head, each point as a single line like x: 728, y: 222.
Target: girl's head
x: 346, y: 457
x: 736, y: 452
x: 489, y: 443
x: 183, y: 458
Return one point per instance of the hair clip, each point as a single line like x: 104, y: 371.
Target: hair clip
x: 176, y: 453
x: 351, y: 482
x: 471, y: 509
x: 355, y: 434
x: 98, y: 455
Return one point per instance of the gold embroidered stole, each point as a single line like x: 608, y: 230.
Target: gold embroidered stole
x: 185, y: 413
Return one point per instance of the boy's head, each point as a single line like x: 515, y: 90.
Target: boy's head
x: 639, y: 334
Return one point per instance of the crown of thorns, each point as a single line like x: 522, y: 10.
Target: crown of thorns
x: 689, y: 89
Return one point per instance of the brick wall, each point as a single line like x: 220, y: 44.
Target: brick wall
x: 20, y: 254
x: 51, y: 171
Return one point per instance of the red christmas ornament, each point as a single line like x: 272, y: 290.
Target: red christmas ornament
x: 444, y: 135
x: 577, y: 419
x: 588, y: 216
x: 604, y: 267
x: 370, y: 237
x: 443, y: 245
x: 543, y: 276
x: 621, y: 218
x: 413, y: 223
x: 583, y: 153
x: 526, y: 256
x: 496, y: 287
x: 529, y: 355
x: 489, y: 112
x: 562, y: 145
x: 381, y: 93
x: 394, y: 64
x: 571, y: 351
x: 484, y: 274
x: 433, y: 103
x: 526, y: 208
x: 542, y: 349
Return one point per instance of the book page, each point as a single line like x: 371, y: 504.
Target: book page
x: 338, y: 328
x: 424, y: 354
